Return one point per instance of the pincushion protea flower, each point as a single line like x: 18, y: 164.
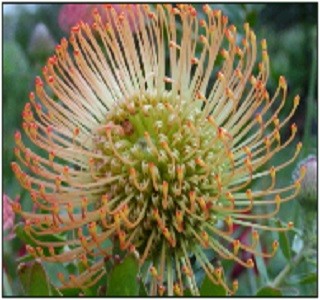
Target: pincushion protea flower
x: 148, y: 152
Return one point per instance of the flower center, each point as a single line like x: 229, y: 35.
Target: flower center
x: 171, y: 162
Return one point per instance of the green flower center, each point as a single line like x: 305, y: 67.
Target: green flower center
x: 171, y: 162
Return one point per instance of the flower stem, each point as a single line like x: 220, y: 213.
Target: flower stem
x: 288, y: 268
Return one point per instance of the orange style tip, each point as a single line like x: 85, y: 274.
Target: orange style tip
x: 216, y: 13
x: 30, y: 249
x: 132, y: 249
x: 236, y: 243
x: 164, y: 144
x: 72, y: 277
x: 153, y: 271
x: 253, y: 80
x: 282, y: 82
x: 58, y: 48
x: 75, y: 28
x: 164, y: 183
x: 246, y: 26
x: 299, y: 146
x: 155, y: 213
x: 220, y: 75
x: 275, y: 245
x: 273, y: 171
x: 205, y: 236
x: 296, y: 101
x: 14, y: 167
x: 202, y: 23
x: 235, y: 285
x: 79, y: 232
x: 17, y: 136
x: 193, y: 12
x: 206, y: 8
x: 264, y: 44
x: 167, y: 80
x: 303, y: 171
x: 121, y: 234
x: 225, y: 20
x: 122, y: 17
x: 49, y: 129
x: 224, y: 53
x: 228, y: 220
x: 132, y: 171
x: 178, y: 213
x: 255, y: 234
x: 218, y: 272
x: 194, y: 60
x: 50, y: 79
x: 177, y: 289
x: 51, y: 251
x: 232, y: 28
x: 16, y: 207
x: 253, y: 36
x: 152, y: 15
x: 104, y: 198
x: 31, y: 96
x: 290, y: 224
x: 76, y: 131
x: 294, y: 128
x: 38, y: 81
x: 60, y: 276
x: 161, y: 290
x: 92, y: 225
x: 250, y: 263
x: 259, y: 118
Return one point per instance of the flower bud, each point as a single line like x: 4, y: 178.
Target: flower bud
x: 308, y: 192
x: 41, y: 41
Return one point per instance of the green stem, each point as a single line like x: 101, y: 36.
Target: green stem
x: 6, y: 285
x: 311, y: 88
x: 282, y: 276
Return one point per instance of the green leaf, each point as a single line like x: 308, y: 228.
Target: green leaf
x: 142, y: 289
x: 284, y: 243
x: 24, y: 259
x: 261, y: 266
x: 20, y: 232
x: 122, y: 280
x: 7, y: 290
x: 55, y: 291
x: 34, y: 280
x: 187, y: 293
x: 297, y: 243
x: 70, y: 291
x: 304, y: 279
x: 268, y: 291
x: 208, y: 288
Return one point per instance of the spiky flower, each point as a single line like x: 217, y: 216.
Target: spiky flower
x: 144, y: 142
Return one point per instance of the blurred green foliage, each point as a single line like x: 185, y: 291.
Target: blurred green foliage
x: 290, y: 30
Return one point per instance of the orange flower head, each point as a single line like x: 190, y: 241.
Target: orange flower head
x: 140, y: 139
